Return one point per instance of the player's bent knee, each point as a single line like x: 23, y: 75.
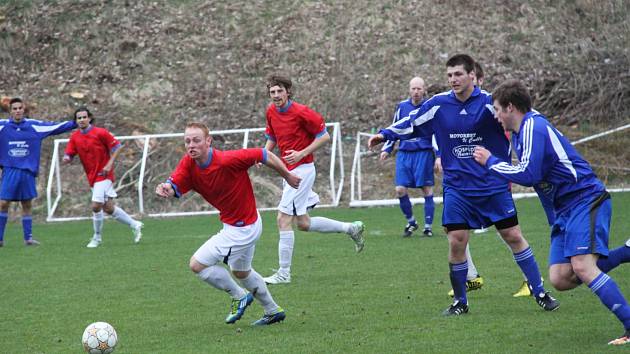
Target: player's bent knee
x: 284, y: 221
x: 241, y: 274
x: 195, y: 266
x: 401, y: 191
x: 562, y: 277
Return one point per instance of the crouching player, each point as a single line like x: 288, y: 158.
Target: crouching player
x: 575, y: 200
x: 221, y: 178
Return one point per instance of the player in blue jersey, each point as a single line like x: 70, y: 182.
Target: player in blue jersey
x: 20, y: 147
x: 575, y: 200
x: 461, y: 119
x: 474, y: 281
x: 414, y: 163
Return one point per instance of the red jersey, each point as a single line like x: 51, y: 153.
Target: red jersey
x: 94, y: 146
x: 223, y: 182
x: 294, y: 128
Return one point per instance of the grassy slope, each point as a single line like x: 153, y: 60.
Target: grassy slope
x: 387, y: 299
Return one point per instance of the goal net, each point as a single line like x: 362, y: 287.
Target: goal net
x: 372, y: 181
x: 147, y: 160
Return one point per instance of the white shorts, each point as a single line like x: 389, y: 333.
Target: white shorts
x: 233, y: 245
x: 102, y: 191
x: 295, y: 201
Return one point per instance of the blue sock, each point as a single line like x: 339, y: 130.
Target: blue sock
x: 429, y: 210
x: 407, y: 208
x: 3, y: 223
x: 615, y: 257
x: 609, y: 294
x: 525, y: 259
x: 458, y: 280
x: 27, y: 226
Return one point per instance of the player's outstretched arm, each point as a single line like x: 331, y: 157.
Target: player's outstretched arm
x: 274, y: 162
x: 165, y: 190
x: 481, y: 155
x: 110, y: 164
x: 375, y: 141
x: 270, y: 145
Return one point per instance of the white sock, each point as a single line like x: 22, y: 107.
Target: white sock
x: 97, y: 221
x: 285, y: 250
x: 325, y: 225
x: 472, y: 270
x: 256, y: 285
x: 121, y: 216
x: 221, y: 279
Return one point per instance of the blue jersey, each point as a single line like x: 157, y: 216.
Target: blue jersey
x: 413, y: 144
x: 549, y: 163
x: 458, y: 128
x: 21, y: 143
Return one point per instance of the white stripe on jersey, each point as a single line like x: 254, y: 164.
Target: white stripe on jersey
x: 490, y: 108
x: 390, y: 143
x: 562, y: 154
x: 46, y: 128
x: 504, y: 167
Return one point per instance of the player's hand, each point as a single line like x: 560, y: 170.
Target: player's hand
x: 293, y: 180
x: 481, y: 155
x: 259, y: 164
x: 437, y: 165
x: 292, y: 157
x: 164, y: 190
x: 375, y: 140
x: 66, y: 160
x: 384, y: 155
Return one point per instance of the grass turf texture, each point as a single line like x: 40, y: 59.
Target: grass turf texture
x: 387, y: 299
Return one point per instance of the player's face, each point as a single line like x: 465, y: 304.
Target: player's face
x: 279, y: 96
x: 197, y: 144
x: 83, y: 120
x: 17, y: 111
x: 460, y: 81
x: 416, y: 90
x: 503, y: 115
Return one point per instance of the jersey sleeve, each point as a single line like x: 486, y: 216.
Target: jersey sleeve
x: 44, y: 129
x: 180, y: 179
x: 313, y: 122
x: 389, y: 144
x: 529, y: 170
x: 417, y: 124
x: 269, y: 133
x: 108, y: 139
x: 71, y: 148
x: 245, y: 158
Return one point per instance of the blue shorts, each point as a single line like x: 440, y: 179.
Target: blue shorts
x: 17, y: 184
x: 476, y: 211
x: 414, y: 169
x: 583, y: 229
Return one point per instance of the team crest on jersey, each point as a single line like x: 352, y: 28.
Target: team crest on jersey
x: 18, y: 149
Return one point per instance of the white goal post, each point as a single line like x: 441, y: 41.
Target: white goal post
x: 357, y: 175
x: 146, y: 143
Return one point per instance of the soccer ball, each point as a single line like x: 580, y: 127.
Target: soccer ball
x: 99, y: 338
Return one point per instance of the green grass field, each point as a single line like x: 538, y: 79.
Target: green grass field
x: 387, y: 299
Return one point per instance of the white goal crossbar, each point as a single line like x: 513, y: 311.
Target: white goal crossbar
x: 356, y: 199
x: 54, y: 176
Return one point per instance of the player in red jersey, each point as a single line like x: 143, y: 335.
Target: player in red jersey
x: 98, y: 149
x: 298, y: 131
x: 221, y: 178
